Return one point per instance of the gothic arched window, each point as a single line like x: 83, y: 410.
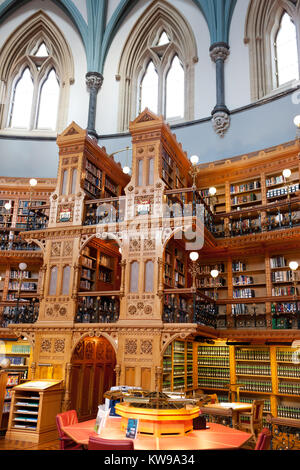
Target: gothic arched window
x: 156, y: 69
x: 36, y: 71
x: 273, y: 34
x: 286, y: 52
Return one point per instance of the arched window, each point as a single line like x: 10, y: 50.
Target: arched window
x: 286, y: 52
x: 134, y: 276
x: 21, y: 101
x: 66, y: 280
x: 53, y: 281
x: 272, y: 33
x: 149, y: 273
x: 156, y: 69
x: 36, y: 71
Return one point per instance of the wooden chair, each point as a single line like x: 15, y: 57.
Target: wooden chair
x: 97, y: 443
x: 66, y: 419
x: 213, y: 399
x: 254, y: 421
x: 264, y: 440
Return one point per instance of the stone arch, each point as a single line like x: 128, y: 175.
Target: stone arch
x: 160, y: 15
x: 15, y: 55
x: 262, y: 23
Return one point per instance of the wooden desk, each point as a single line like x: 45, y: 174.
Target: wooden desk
x: 227, y: 409
x: 216, y: 437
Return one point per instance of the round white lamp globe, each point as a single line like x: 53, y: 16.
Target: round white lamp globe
x: 214, y: 273
x: 5, y: 363
x: 287, y: 173
x: 7, y: 206
x: 297, y: 121
x: 22, y: 266
x: 293, y: 265
x: 194, y: 159
x: 212, y: 191
x: 33, y: 182
x: 126, y: 170
x: 194, y: 255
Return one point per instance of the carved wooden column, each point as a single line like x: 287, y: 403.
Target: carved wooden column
x: 122, y: 287
x: 67, y: 395
x: 118, y: 374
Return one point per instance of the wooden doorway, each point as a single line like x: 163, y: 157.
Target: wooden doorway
x: 93, y: 364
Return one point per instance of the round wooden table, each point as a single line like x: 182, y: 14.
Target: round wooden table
x: 216, y: 437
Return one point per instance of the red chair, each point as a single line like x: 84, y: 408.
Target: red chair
x: 263, y: 440
x: 96, y: 443
x: 66, y: 419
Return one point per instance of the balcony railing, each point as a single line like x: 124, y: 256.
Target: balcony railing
x: 21, y: 313
x: 11, y: 240
x: 104, y: 211
x: 189, y: 308
x: 101, y: 307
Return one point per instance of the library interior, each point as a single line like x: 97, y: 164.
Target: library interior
x: 150, y: 225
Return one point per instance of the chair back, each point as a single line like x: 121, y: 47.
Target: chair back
x: 97, y: 443
x: 213, y: 399
x: 257, y: 416
x: 65, y: 419
x: 264, y: 440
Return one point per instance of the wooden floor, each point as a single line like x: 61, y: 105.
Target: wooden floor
x: 21, y: 445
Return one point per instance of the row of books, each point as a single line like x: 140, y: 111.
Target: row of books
x: 28, y: 286
x: 281, y: 291
x: 242, y: 280
x: 277, y: 262
x: 244, y: 187
x: 243, y: 199
x: 282, y: 276
x: 282, y: 191
x: 15, y: 274
x: 93, y: 169
x: 243, y: 293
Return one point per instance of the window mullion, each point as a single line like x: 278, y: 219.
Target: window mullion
x: 35, y: 100
x: 161, y: 94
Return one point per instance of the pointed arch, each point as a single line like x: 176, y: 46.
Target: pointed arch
x: 142, y: 47
x: 261, y: 28
x: 19, y: 51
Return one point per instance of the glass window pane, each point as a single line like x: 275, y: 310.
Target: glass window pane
x: 22, y: 101
x: 53, y: 281
x: 163, y: 39
x: 175, y: 90
x: 64, y: 182
x: 42, y: 51
x: 286, y: 51
x: 134, y: 276
x: 74, y: 178
x: 149, y: 272
x: 66, y: 280
x: 149, y: 89
x: 47, y: 115
x: 140, y: 172
x: 151, y: 171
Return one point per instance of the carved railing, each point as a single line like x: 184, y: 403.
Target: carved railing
x: 25, y: 312
x: 11, y: 240
x: 100, y: 307
x: 189, y: 307
x: 104, y: 211
x: 285, y: 433
x: 37, y: 218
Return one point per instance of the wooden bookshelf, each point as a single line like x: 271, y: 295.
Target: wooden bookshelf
x: 263, y: 372
x: 33, y: 411
x: 100, y: 269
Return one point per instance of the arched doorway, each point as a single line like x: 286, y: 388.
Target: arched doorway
x: 93, y: 363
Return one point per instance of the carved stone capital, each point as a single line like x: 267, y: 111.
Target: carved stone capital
x: 94, y: 81
x: 219, y: 51
x: 221, y: 122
